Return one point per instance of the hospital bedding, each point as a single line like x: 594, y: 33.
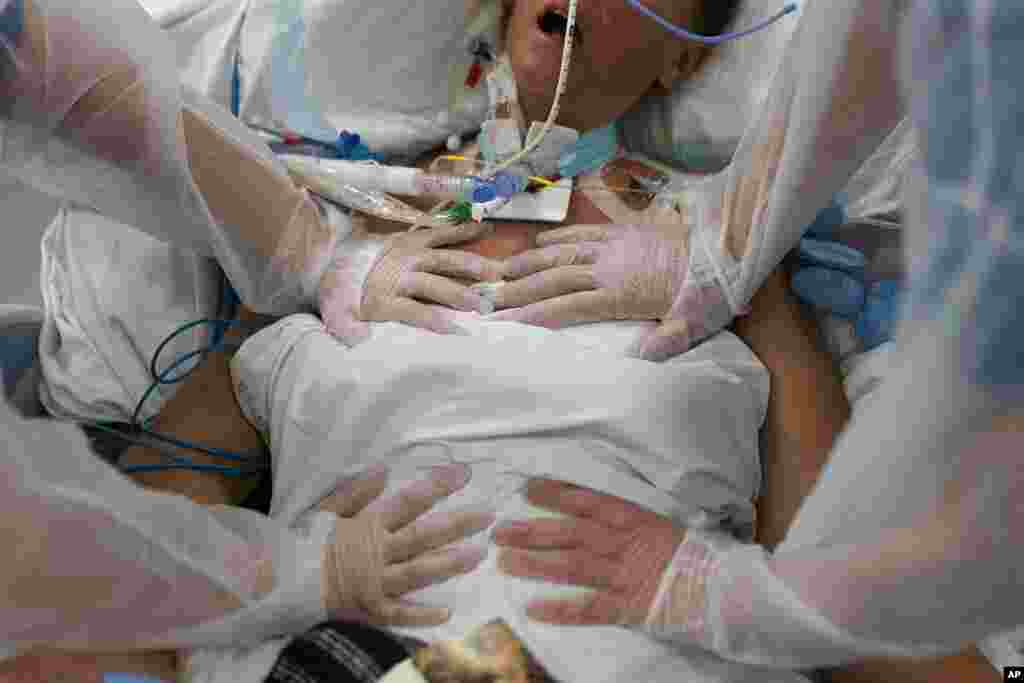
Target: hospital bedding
x: 515, y: 401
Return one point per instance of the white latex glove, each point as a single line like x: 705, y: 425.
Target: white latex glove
x: 592, y: 273
x: 384, y: 548
x: 390, y: 279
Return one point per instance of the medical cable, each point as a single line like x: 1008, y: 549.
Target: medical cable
x: 143, y: 435
x: 250, y: 464
x: 683, y: 34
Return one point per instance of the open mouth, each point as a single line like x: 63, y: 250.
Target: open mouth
x: 554, y: 23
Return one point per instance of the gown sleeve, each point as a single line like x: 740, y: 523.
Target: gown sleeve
x: 99, y: 563
x: 834, y: 99
x: 907, y: 545
x: 92, y: 111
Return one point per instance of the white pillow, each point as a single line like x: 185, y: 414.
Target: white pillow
x: 379, y: 69
x: 698, y: 125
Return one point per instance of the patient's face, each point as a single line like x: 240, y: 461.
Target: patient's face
x: 618, y: 56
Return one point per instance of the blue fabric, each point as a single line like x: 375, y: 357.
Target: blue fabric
x: 17, y: 353
x: 969, y: 110
x: 12, y: 19
x: 830, y: 290
x: 299, y: 110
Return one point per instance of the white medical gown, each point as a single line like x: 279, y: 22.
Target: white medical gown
x: 101, y: 563
x: 96, y: 561
x: 910, y: 543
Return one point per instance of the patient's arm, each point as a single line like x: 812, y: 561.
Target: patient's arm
x: 807, y: 408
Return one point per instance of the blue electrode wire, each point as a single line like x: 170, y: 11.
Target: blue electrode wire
x: 170, y: 447
x: 683, y: 34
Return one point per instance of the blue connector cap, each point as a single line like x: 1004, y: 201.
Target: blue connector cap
x: 508, y: 185
x: 484, y: 191
x: 349, y: 146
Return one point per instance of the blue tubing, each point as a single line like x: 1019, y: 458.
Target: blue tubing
x: 131, y: 678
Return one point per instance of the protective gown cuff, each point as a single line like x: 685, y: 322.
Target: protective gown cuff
x: 351, y: 262
x: 303, y: 604
x: 341, y: 229
x: 680, y: 606
x: 292, y: 603
x: 708, y: 258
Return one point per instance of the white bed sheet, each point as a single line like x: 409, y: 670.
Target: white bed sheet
x: 679, y: 438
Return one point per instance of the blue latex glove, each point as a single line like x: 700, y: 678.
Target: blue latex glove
x: 827, y: 221
x: 830, y: 277
x: 832, y: 255
x: 831, y: 290
x: 877, y: 320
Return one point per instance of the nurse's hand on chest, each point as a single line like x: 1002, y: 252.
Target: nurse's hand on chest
x: 386, y: 274
x: 595, y: 271
x: 413, y: 278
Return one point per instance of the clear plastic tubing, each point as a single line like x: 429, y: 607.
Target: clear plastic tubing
x: 391, y: 179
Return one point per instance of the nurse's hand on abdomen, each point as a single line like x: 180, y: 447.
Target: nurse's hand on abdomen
x: 384, y: 547
x: 613, y: 547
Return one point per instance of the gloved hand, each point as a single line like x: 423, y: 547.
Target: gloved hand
x: 382, y: 548
x: 614, y: 547
x: 591, y: 273
x: 389, y: 278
